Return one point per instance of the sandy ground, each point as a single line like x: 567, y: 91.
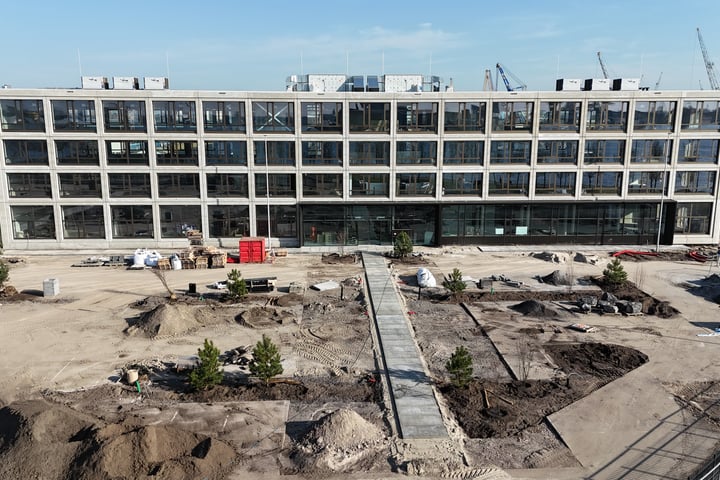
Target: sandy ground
x: 75, y: 341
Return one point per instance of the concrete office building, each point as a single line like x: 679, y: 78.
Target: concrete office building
x: 352, y: 160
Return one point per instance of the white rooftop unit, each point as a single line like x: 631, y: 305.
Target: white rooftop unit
x: 156, y: 83
x: 598, y: 84
x: 403, y: 83
x: 126, y: 83
x: 326, y: 83
x: 570, y: 84
x: 94, y: 82
x: 626, y: 84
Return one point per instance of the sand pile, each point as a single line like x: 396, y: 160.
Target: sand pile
x: 39, y: 439
x: 533, y: 308
x: 173, y: 319
x: 341, y: 442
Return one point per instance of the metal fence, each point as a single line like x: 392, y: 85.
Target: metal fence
x: 710, y: 471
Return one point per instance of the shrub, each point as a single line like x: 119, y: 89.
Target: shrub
x: 207, y: 373
x: 236, y: 284
x: 460, y: 367
x: 265, y: 363
x: 454, y: 282
x: 402, y: 246
x: 4, y: 273
x: 615, y: 273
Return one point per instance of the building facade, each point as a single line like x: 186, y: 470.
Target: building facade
x: 355, y: 163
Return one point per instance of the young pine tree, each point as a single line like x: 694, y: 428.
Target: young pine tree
x: 402, y: 246
x: 207, y: 373
x: 265, y: 363
x: 4, y: 273
x: 236, y: 284
x: 615, y: 273
x: 454, y: 283
x: 460, y: 367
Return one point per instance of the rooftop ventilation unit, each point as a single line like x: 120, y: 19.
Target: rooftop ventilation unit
x: 156, y: 83
x: 597, y: 84
x: 568, y: 84
x: 98, y: 83
x: 126, y: 83
x: 626, y: 84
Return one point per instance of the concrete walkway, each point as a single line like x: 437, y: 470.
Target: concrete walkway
x: 416, y: 410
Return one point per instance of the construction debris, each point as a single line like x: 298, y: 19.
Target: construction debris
x: 425, y: 278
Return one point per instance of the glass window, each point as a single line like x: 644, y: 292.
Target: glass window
x: 650, y: 151
x: 80, y: 185
x: 77, y: 152
x: 176, y: 116
x: 281, y: 185
x: 283, y: 221
x: 132, y: 221
x: 169, y: 152
x: 607, y: 116
x: 654, y: 115
x: 699, y: 151
x: 602, y: 183
x: 22, y: 116
x: 322, y: 153
x: 510, y: 183
x: 29, y: 185
x: 83, y: 221
x: 552, y: 220
x: 560, y: 116
x: 322, y: 185
x: 693, y: 218
x: 224, y: 116
x: 227, y: 185
x: 33, y: 222
x: 370, y: 153
x: 178, y: 185
x: 417, y: 117
x: 512, y: 116
x: 510, y: 152
x: 461, y: 220
x: 701, y: 115
x: 124, y: 116
x: 226, y: 153
x: 418, y: 221
x: 26, y: 152
x: 127, y: 152
x: 177, y: 220
x: 270, y: 117
x: 465, y: 117
x: 229, y: 220
x: 321, y: 117
x: 646, y: 183
x: 415, y: 184
x: 604, y: 151
x: 74, y: 115
x: 555, y: 183
x: 369, y: 117
x: 129, y: 185
x: 413, y: 153
x: 695, y: 182
x: 506, y: 220
x: 463, y: 183
x: 469, y: 152
x: 557, y: 151
x: 278, y: 153
x: 370, y: 184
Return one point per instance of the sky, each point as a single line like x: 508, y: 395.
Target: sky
x: 239, y: 45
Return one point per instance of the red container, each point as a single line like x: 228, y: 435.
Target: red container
x: 252, y: 250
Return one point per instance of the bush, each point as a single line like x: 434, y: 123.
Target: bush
x: 402, y: 246
x: 4, y: 273
x: 207, y: 373
x: 615, y: 273
x: 454, y: 283
x: 460, y: 367
x: 236, y: 284
x: 266, y: 360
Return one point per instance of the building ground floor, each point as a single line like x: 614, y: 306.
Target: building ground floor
x: 103, y: 226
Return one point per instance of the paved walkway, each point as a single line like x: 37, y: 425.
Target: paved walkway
x: 416, y: 410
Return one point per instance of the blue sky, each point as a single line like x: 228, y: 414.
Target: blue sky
x: 236, y: 45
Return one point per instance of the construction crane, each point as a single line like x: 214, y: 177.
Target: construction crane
x: 488, y: 83
x: 602, y: 66
x: 709, y: 65
x: 503, y: 71
x: 657, y: 84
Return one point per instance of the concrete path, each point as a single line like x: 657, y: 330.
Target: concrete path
x: 416, y: 410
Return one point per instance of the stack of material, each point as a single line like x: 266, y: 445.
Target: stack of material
x: 195, y: 237
x: 218, y: 259
x: 163, y: 263
x: 201, y: 262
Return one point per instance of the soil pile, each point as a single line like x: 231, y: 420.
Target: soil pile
x: 340, y: 442
x: 173, y: 319
x: 533, y: 308
x: 556, y: 278
x: 39, y: 439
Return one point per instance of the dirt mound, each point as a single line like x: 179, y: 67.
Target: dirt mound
x: 533, y: 308
x: 339, y: 442
x: 334, y: 258
x: 601, y: 360
x: 39, y: 439
x: 170, y: 319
